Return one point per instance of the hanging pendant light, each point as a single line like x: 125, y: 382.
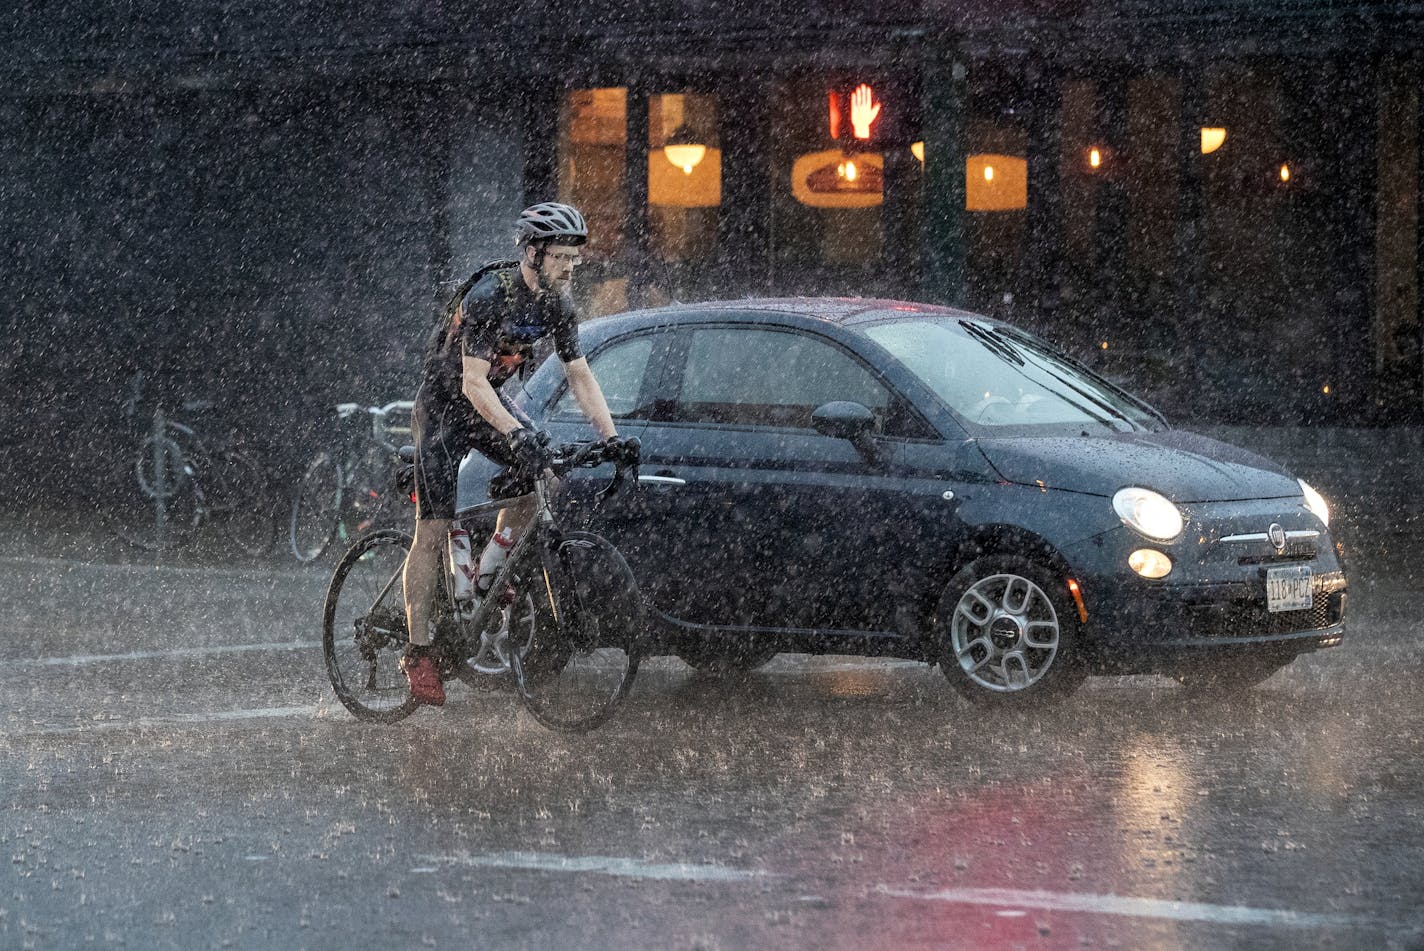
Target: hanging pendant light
x: 683, y: 150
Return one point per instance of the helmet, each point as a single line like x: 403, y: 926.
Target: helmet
x: 550, y: 221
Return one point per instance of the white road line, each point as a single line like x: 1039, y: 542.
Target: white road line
x: 1010, y: 898
x: 178, y: 719
x: 76, y: 660
x: 601, y: 865
x: 254, y: 571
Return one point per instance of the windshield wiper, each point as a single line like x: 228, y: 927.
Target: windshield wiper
x: 1006, y: 350
x: 996, y: 346
x: 1037, y: 353
x: 1029, y: 343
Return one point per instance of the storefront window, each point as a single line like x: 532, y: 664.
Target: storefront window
x: 684, y: 175
x: 846, y: 189
x: 684, y: 193
x: 593, y: 159
x: 996, y: 190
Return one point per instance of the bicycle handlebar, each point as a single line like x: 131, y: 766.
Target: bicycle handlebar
x: 625, y: 454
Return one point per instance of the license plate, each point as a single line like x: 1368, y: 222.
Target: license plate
x: 1288, y: 589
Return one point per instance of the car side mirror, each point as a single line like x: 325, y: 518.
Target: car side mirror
x: 843, y: 419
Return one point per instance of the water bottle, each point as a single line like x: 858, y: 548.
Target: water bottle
x: 492, y: 558
x: 462, y: 568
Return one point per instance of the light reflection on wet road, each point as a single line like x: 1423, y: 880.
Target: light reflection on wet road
x: 180, y: 776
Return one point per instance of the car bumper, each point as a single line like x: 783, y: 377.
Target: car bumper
x: 1210, y: 606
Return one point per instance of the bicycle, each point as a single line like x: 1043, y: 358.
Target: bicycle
x: 341, y: 497
x: 189, y: 482
x: 563, y: 623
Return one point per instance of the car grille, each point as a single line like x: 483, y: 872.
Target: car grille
x: 1295, y: 551
x: 1252, y: 619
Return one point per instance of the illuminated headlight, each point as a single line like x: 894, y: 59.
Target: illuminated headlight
x: 1315, y: 502
x: 1149, y: 563
x: 1148, y: 512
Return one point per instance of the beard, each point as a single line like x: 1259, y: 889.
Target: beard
x: 555, y: 285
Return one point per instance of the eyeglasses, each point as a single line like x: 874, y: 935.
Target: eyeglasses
x: 565, y: 257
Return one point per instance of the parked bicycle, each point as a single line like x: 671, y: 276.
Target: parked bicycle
x: 564, y: 622
x: 343, y: 492
x: 183, y: 482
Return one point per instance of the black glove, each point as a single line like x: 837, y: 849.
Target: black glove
x: 623, y: 450
x: 530, y: 448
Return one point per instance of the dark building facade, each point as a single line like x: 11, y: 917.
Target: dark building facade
x: 1217, y: 202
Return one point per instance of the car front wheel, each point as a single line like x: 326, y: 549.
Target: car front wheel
x: 1007, y: 635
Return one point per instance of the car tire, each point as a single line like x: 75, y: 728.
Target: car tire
x: 1007, y: 635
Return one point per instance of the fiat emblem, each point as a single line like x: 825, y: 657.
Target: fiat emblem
x: 1277, y: 535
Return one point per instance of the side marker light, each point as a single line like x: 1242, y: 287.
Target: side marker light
x: 1077, y: 594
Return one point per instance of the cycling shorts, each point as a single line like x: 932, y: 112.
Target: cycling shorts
x: 444, y: 431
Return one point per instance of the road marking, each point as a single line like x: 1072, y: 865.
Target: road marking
x: 76, y: 660
x: 1128, y: 907
x: 178, y: 719
x: 256, y: 571
x: 602, y: 865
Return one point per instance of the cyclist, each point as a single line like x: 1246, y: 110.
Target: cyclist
x: 460, y: 405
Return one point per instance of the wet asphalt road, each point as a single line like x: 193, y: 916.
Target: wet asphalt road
x: 177, y: 774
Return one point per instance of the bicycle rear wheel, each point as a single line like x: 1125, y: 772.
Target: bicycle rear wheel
x: 591, y: 636
x: 364, y: 632
x: 316, y: 509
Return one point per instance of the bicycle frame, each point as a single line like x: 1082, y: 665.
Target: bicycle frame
x: 538, y: 528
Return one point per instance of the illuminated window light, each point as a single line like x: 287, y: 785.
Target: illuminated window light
x: 1095, y: 158
x: 685, y: 157
x: 988, y: 173
x: 1285, y: 172
x: 1212, y: 138
x: 1104, y: 344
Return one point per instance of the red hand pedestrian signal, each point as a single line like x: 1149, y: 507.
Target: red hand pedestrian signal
x: 863, y: 111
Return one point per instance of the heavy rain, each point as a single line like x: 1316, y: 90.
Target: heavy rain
x: 706, y: 474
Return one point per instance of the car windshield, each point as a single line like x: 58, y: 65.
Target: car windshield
x: 999, y: 377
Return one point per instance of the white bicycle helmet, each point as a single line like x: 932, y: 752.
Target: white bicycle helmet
x: 551, y: 221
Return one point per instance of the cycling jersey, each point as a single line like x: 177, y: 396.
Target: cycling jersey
x: 500, y: 320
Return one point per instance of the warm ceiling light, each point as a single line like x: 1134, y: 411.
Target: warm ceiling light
x: 917, y: 149
x: 1095, y: 158
x: 683, y: 149
x: 988, y: 173
x: 1211, y: 138
x: 1285, y: 172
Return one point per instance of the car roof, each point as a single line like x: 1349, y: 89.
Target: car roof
x: 841, y: 311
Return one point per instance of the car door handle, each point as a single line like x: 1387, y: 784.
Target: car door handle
x: 662, y: 479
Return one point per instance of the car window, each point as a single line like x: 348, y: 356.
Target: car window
x: 619, y: 369
x: 752, y: 376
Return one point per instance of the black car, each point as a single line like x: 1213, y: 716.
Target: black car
x: 903, y: 480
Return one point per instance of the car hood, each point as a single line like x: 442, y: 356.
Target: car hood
x: 1183, y: 466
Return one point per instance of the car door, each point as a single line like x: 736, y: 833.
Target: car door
x: 761, y: 519
x: 626, y: 368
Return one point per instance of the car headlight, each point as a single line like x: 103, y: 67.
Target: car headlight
x: 1150, y: 513
x: 1315, y: 502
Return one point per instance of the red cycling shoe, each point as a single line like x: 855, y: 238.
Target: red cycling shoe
x: 424, y: 677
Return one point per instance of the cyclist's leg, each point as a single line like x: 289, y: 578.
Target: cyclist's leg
x: 438, y: 450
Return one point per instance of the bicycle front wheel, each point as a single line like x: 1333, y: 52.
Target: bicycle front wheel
x: 586, y: 652
x: 316, y: 509
x: 364, y: 631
